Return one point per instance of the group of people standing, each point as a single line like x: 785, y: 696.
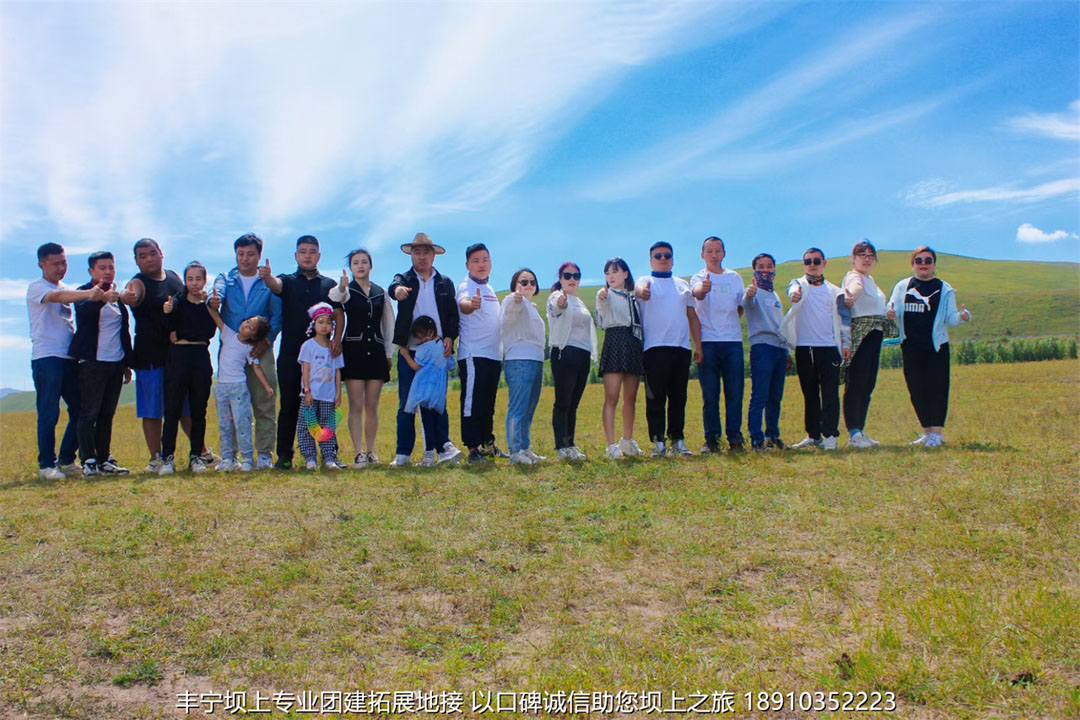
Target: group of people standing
x: 345, y: 332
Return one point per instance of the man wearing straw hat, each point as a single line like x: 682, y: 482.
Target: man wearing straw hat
x: 419, y: 291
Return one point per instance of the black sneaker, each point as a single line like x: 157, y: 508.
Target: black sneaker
x: 476, y: 457
x: 711, y: 446
x: 775, y: 444
x: 498, y: 452
x: 89, y: 468
x: 110, y: 467
x: 757, y: 446
x: 283, y: 464
x: 737, y: 445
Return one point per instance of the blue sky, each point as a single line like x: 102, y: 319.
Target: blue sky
x: 549, y: 131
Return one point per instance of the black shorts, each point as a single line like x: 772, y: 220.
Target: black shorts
x: 364, y: 361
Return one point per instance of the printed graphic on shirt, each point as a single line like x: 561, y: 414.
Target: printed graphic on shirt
x: 923, y: 302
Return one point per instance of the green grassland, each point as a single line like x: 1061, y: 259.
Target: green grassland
x: 948, y: 577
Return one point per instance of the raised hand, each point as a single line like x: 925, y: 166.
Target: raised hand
x: 644, y: 290
x: 168, y: 306
x: 214, y: 302
x: 476, y: 300
x: 265, y: 273
x: 797, y: 295
x: 964, y: 314
x: 891, y: 312
x: 111, y: 293
x: 97, y: 294
x: 129, y: 296
x: 706, y: 284
x: 343, y: 283
x: 602, y: 293
x: 849, y: 299
x: 401, y: 292
x: 517, y: 297
x: 561, y: 301
x: 751, y: 291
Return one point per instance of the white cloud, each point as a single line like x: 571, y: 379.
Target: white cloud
x: 1028, y: 233
x: 14, y: 342
x: 13, y: 289
x: 932, y: 193
x: 246, y: 115
x: 1063, y: 126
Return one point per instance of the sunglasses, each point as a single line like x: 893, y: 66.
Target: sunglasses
x: 662, y: 256
x: 571, y: 276
x: 811, y: 261
x: 924, y: 261
x: 526, y: 282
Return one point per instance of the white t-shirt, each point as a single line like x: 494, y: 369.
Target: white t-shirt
x: 246, y: 283
x: 109, y: 348
x: 323, y: 364
x: 52, y: 325
x: 425, y: 305
x: 233, y: 358
x: 871, y: 301
x: 479, y: 329
x: 663, y: 315
x: 816, y: 318
x: 719, y: 310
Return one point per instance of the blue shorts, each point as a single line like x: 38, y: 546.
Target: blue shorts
x: 150, y: 394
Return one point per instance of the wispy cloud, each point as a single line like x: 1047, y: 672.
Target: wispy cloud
x: 11, y: 289
x: 1028, y: 233
x: 1063, y: 125
x: 935, y: 193
x: 379, y: 113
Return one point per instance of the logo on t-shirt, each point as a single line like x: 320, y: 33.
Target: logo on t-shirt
x: 923, y: 304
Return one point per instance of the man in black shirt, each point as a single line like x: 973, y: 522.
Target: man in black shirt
x: 145, y: 294
x: 298, y: 292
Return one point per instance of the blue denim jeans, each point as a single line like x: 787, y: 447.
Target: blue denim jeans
x: 406, y: 422
x: 768, y: 364
x: 56, y: 378
x: 722, y: 362
x: 523, y: 379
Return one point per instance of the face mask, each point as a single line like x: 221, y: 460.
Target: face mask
x: 764, y: 279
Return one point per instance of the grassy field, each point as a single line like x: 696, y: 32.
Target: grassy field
x: 946, y: 577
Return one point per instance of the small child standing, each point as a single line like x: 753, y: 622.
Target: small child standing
x: 428, y: 390
x: 769, y: 359
x: 321, y: 388
x: 187, y: 372
x: 231, y: 392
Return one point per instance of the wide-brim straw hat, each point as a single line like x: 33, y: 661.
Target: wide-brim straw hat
x: 422, y: 239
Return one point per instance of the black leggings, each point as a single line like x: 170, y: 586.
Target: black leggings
x: 570, y: 372
x: 927, y: 376
x: 667, y: 373
x: 861, y: 379
x: 187, y: 373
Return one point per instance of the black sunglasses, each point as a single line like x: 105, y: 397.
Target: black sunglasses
x: 571, y: 276
x: 523, y: 281
x: 924, y: 261
x: 811, y: 261
x: 661, y: 256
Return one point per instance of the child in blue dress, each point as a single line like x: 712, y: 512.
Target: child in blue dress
x: 428, y: 390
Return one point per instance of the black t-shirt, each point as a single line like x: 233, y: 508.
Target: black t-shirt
x: 190, y: 321
x: 151, y: 330
x: 921, y: 302
x: 298, y: 293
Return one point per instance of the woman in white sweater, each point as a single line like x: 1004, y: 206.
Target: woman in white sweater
x: 867, y: 304
x: 523, y: 336
x: 573, y: 350
x: 621, y: 361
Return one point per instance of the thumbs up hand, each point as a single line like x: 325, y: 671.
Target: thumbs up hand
x: 561, y: 301
x: 849, y: 299
x: 401, y: 292
x: 265, y: 273
x: 751, y: 291
x: 168, y: 306
x: 797, y: 295
x: 476, y: 300
x: 706, y: 284
x: 643, y: 290
x: 964, y: 314
x: 215, y: 301
x: 602, y: 293
x: 111, y: 293
x: 891, y: 312
x: 344, y: 281
x: 517, y: 297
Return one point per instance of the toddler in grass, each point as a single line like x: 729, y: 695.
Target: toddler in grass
x: 231, y: 392
x: 321, y: 387
x: 428, y: 390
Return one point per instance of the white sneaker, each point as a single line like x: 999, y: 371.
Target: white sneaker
x: 429, y: 459
x: 359, y: 461
x: 109, y: 467
x: 578, y: 454
x: 264, y: 462
x: 567, y: 454
x: 806, y: 442
x: 613, y: 452
x: 311, y: 465
x: 859, y: 440
x: 166, y: 466
x: 872, y: 441
x: 154, y: 466
x: 448, y: 446
x: 372, y: 459
x: 402, y: 460
x: 51, y: 473
x: 934, y: 440
x: 197, y: 465
x: 658, y: 450
x: 226, y: 466
x: 534, y: 457
x: 681, y: 449
x: 245, y: 466
x: 449, y: 456
x: 921, y: 440
x: 72, y: 469
x: 332, y: 465
x: 520, y: 458
x: 829, y: 443
x: 629, y: 448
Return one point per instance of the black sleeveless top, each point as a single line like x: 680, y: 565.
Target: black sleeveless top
x: 363, y: 314
x: 151, y: 330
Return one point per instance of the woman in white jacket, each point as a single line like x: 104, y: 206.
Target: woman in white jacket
x: 923, y: 307
x: 523, y: 336
x: 573, y: 350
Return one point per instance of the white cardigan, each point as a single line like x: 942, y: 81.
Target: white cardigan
x: 521, y: 323
x: 789, y: 326
x: 560, y: 321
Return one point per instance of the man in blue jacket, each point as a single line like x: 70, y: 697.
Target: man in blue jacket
x: 241, y: 293
x: 102, y: 347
